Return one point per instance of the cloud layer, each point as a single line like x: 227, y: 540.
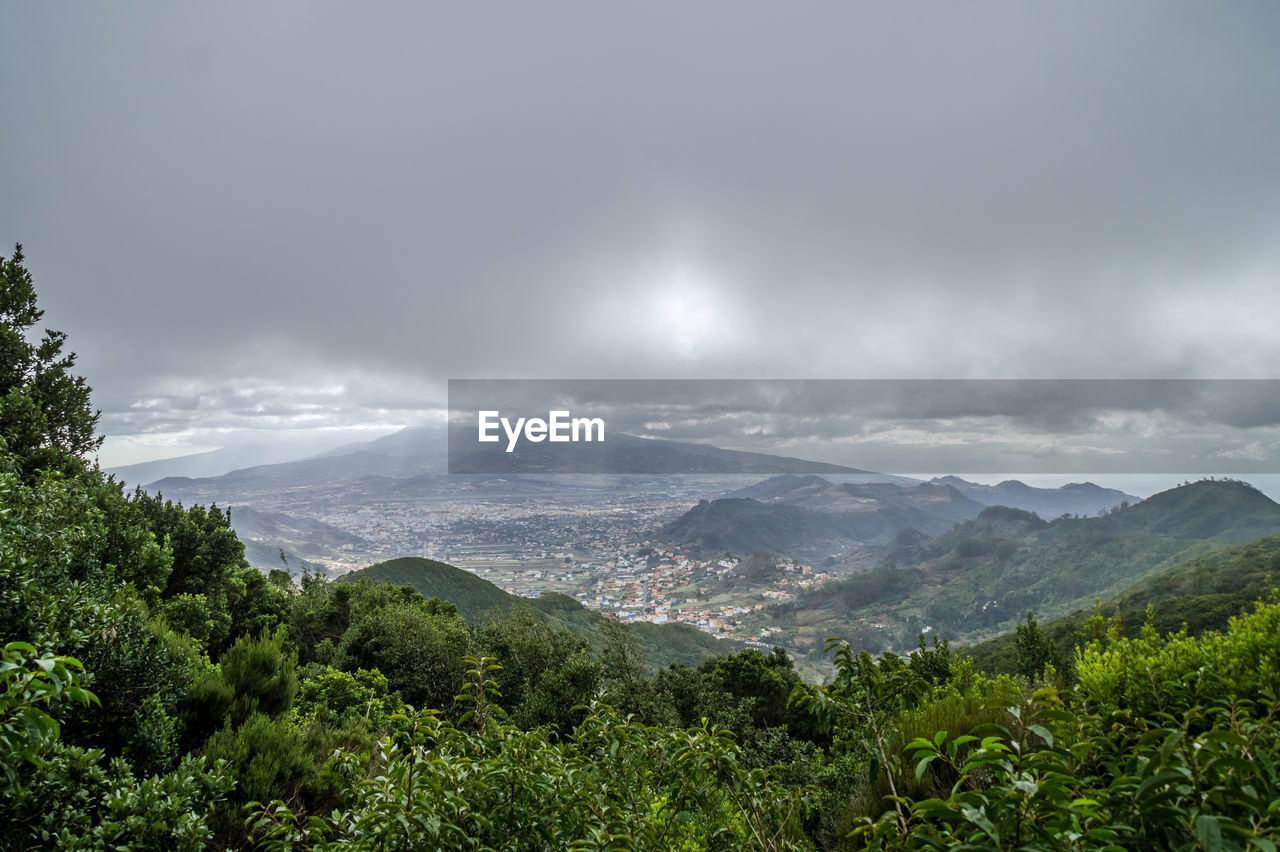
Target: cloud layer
x: 235, y: 211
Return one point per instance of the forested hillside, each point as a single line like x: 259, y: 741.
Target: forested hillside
x: 479, y: 601
x: 157, y: 693
x: 979, y: 579
x: 1201, y: 594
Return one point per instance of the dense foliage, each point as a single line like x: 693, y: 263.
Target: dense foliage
x: 156, y: 693
x: 1164, y: 744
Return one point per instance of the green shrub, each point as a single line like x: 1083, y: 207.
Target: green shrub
x: 261, y: 675
x: 1165, y: 744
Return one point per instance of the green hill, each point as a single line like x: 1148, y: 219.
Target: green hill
x: 739, y: 525
x: 472, y: 595
x: 477, y: 599
x: 1223, y: 509
x: 834, y: 519
x: 1201, y: 594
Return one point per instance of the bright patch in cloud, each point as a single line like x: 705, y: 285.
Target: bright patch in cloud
x: 672, y: 311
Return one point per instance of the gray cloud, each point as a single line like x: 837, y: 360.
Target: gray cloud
x: 243, y: 198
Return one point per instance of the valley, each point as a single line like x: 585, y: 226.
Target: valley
x: 787, y: 560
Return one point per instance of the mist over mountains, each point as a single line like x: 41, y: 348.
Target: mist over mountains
x: 409, y: 452
x: 1076, y: 498
x: 810, y: 517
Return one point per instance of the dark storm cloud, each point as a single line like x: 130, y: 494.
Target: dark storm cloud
x: 286, y: 198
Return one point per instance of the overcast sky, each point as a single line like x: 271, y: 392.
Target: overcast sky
x: 301, y: 216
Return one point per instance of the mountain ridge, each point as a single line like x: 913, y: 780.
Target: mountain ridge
x: 815, y: 492
x: 853, y: 515
x: 624, y: 453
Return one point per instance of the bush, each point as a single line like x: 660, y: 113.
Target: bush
x: 61, y: 796
x: 339, y: 697
x: 260, y: 674
x: 615, y: 784
x: 1166, y: 744
x: 419, y: 652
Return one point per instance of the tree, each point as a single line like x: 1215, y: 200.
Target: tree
x: 547, y: 672
x: 56, y: 795
x: 419, y: 650
x: 622, y: 667
x: 1035, y: 651
x: 759, y: 685
x: 45, y: 416
x: 261, y: 674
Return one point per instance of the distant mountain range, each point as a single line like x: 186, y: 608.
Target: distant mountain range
x: 850, y: 515
x: 624, y: 454
x: 807, y: 516
x: 409, y: 452
x: 477, y: 598
x: 813, y: 492
x: 1077, y: 498
x: 795, y: 513
x: 411, y: 464
x: 983, y: 576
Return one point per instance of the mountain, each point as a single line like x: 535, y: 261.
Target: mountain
x: 472, y: 595
x: 874, y: 513
x: 217, y: 462
x: 813, y: 492
x: 268, y: 557
x: 1215, y: 508
x: 982, y: 577
x: 1077, y: 498
x: 411, y: 464
x: 475, y: 598
x: 740, y: 526
x: 939, y: 502
x: 808, y: 517
x: 624, y: 454
x: 1200, y: 594
x: 409, y: 452
x: 304, y: 535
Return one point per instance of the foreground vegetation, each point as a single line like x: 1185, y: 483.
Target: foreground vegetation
x: 156, y: 693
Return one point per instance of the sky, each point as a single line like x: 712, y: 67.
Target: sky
x: 296, y: 221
